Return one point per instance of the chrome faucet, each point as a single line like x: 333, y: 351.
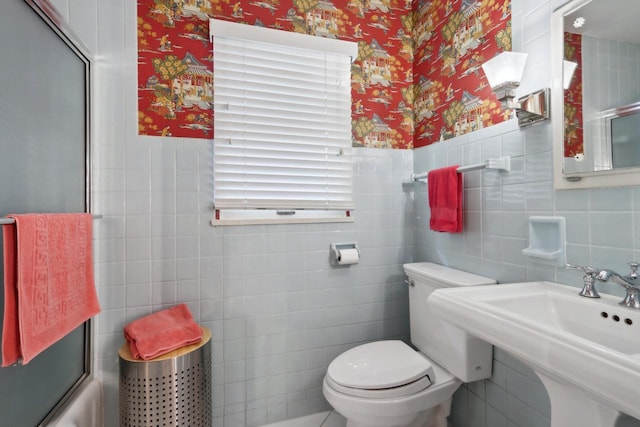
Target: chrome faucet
x: 630, y: 283
x: 589, y: 280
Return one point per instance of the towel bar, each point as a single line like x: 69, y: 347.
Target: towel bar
x: 13, y: 221
x: 500, y: 163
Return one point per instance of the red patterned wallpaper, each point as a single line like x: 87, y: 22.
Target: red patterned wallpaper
x: 175, y: 68
x: 573, y: 131
x: 448, y: 90
x: 453, y: 39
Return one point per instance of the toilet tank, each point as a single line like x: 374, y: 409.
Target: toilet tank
x: 465, y: 356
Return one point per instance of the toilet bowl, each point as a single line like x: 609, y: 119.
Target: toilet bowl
x: 389, y: 384
x: 421, y: 401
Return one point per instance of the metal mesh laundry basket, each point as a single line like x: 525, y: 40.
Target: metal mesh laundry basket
x: 170, y: 390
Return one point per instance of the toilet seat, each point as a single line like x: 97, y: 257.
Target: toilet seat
x: 384, y: 393
x: 381, y: 369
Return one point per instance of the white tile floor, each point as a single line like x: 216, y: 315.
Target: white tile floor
x: 321, y: 419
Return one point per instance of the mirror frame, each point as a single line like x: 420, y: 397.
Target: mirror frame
x: 611, y: 178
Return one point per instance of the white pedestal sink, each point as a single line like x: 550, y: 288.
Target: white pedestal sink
x: 586, y: 351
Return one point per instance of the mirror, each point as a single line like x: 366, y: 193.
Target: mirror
x: 596, y: 93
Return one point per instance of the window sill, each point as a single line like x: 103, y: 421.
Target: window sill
x: 261, y: 217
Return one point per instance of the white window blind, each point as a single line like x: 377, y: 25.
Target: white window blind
x: 282, y: 120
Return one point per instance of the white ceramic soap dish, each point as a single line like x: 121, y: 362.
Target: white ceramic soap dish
x: 547, y: 239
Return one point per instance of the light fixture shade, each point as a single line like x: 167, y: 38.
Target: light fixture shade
x: 568, y: 68
x: 506, y: 67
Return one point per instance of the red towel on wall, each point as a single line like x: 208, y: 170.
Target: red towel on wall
x: 445, y: 199
x: 161, y: 332
x: 49, y: 285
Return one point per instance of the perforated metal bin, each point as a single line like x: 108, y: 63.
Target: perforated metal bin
x: 171, y: 390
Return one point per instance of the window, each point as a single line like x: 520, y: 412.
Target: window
x: 282, y: 126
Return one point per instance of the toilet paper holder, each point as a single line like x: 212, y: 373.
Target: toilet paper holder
x: 337, y: 250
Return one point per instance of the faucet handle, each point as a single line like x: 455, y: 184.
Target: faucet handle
x: 634, y: 269
x: 589, y: 280
x: 589, y: 271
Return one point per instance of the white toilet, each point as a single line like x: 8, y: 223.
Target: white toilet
x: 389, y: 384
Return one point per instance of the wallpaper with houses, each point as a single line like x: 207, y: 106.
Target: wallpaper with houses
x: 573, y: 129
x: 436, y: 72
x: 453, y: 38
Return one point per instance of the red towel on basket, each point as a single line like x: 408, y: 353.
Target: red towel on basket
x: 445, y: 199
x: 161, y: 332
x: 49, y: 286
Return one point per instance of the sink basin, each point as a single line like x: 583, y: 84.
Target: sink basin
x: 559, y: 307
x: 586, y: 351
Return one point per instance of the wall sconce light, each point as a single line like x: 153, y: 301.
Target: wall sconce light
x: 504, y: 73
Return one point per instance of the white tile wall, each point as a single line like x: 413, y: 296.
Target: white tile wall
x: 614, y: 65
x: 287, y: 312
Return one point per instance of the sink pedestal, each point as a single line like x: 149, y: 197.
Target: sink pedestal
x: 571, y: 407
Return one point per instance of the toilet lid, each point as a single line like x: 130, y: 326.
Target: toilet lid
x: 379, y: 365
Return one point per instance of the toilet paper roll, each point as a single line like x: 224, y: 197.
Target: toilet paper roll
x: 348, y: 256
